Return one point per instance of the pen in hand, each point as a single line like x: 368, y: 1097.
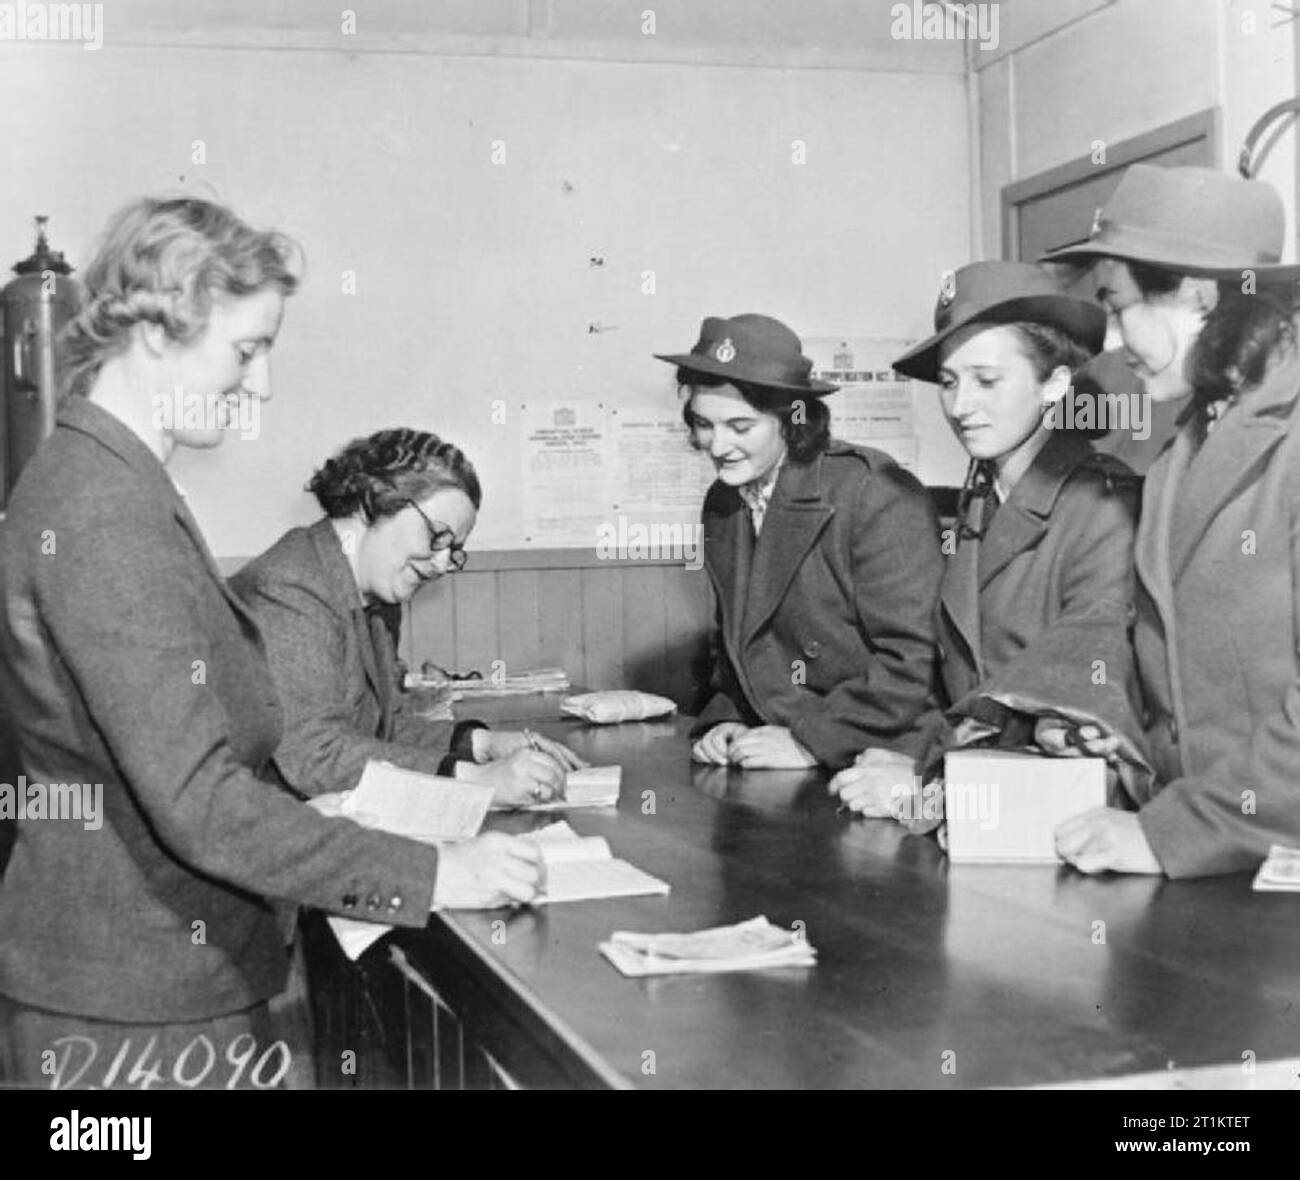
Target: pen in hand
x: 534, y: 744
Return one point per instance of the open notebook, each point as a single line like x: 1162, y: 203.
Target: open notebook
x: 582, y: 868
x: 422, y: 807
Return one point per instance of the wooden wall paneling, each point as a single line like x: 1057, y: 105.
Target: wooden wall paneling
x: 429, y: 628
x: 602, y: 627
x: 560, y: 618
x: 478, y: 640
x: 688, y: 608
x: 644, y: 632
x: 518, y: 619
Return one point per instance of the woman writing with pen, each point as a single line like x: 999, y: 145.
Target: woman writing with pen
x: 398, y: 508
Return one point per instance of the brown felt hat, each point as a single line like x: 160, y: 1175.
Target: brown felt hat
x: 754, y: 349
x: 1003, y: 293
x: 1195, y: 221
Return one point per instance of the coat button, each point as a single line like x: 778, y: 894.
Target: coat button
x: 812, y: 649
x: 374, y: 901
x: 349, y: 900
x: 395, y: 903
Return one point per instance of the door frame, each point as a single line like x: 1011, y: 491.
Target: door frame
x: 1203, y: 125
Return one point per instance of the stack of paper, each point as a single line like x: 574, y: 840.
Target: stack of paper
x: 1280, y: 873
x: 596, y: 786
x: 747, y: 946
x: 538, y: 680
x: 422, y: 807
x: 582, y: 868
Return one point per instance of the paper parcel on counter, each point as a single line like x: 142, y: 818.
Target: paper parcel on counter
x: 1004, y: 806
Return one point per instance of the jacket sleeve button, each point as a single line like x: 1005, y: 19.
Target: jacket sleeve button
x: 349, y: 900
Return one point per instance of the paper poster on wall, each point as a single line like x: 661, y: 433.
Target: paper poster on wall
x: 874, y: 405
x: 656, y: 470
x: 565, y: 459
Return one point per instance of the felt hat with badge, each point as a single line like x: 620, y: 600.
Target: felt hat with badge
x: 1002, y: 293
x: 753, y: 349
x: 1196, y: 221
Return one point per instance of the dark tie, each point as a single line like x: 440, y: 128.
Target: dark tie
x: 379, y: 622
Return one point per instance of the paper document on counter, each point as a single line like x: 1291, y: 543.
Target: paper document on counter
x: 754, y: 945
x: 424, y: 807
x: 1280, y: 873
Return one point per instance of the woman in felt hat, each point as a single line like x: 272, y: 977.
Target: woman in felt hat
x: 823, y: 558
x: 1039, y: 582
x: 1186, y: 261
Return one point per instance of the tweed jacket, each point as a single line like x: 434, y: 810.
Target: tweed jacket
x: 1218, y: 635
x: 826, y: 622
x: 335, y: 669
x: 127, y: 662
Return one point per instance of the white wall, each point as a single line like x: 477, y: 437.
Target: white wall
x: 472, y: 278
x: 1071, y: 72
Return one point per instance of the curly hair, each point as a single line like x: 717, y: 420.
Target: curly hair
x: 162, y: 261
x: 379, y: 475
x: 806, y: 435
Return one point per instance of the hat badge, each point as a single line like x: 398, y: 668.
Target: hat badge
x: 1096, y: 222
x: 726, y: 351
x: 947, y: 287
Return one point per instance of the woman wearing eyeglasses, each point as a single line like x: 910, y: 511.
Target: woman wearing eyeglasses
x: 399, y: 506
x: 142, y: 945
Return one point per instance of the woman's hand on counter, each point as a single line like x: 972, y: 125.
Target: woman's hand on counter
x: 1106, y: 839
x: 715, y: 745
x: 879, y: 784
x: 526, y: 776
x: 769, y: 747
x: 489, y: 871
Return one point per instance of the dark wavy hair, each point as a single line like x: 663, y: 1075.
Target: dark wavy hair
x: 1242, y: 334
x: 379, y: 475
x: 161, y: 261
x: 804, y: 440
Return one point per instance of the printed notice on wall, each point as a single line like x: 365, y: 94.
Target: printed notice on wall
x: 656, y: 470
x: 564, y: 449
x: 874, y: 405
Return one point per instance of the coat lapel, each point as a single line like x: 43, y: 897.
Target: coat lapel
x: 728, y: 545
x: 111, y: 432
x: 794, y: 521
x: 191, y: 527
x: 959, y: 595
x: 347, y: 601
x: 1229, y: 458
x: 1151, y: 549
x: 1023, y: 519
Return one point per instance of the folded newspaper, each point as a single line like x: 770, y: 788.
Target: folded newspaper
x: 747, y: 946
